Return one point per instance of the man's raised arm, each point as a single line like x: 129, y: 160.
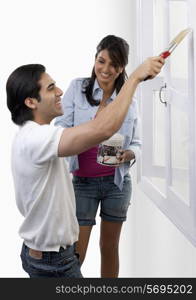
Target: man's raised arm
x: 80, y: 138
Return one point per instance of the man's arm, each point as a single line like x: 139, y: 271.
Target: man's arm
x: 80, y: 138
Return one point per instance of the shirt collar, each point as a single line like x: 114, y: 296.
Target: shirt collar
x: 98, y: 92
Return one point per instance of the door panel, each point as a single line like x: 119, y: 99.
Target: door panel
x: 168, y: 152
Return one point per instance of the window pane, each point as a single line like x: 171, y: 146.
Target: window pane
x: 158, y: 130
x: 179, y: 102
x: 179, y: 152
x: 179, y: 58
x: 158, y: 28
x: 158, y: 156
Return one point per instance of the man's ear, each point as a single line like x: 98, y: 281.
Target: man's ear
x: 31, y: 102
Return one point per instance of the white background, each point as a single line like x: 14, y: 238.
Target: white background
x: 63, y: 36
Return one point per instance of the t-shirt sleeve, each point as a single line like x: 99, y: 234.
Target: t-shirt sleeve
x: 41, y: 143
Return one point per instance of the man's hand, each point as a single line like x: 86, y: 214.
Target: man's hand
x: 150, y: 68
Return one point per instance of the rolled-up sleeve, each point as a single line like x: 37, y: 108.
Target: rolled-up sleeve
x: 136, y: 143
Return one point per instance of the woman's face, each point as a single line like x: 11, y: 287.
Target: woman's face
x: 105, y: 70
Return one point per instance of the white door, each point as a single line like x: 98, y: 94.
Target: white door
x: 168, y: 163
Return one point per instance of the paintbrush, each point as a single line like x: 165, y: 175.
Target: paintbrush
x: 173, y: 44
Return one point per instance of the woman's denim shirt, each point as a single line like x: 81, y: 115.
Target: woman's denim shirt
x: 77, y: 110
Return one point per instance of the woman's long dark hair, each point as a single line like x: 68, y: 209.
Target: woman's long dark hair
x: 118, y: 50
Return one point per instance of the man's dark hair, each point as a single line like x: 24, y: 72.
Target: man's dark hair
x: 118, y: 50
x: 21, y: 84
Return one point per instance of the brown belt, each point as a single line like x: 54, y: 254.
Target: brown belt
x: 35, y: 253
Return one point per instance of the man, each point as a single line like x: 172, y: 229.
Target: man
x: 43, y: 187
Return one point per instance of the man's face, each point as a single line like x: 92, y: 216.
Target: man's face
x: 49, y: 106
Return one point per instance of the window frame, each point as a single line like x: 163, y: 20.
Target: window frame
x: 180, y: 214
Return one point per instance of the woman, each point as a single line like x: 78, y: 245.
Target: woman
x: 94, y: 183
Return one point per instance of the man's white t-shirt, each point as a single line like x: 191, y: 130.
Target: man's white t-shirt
x: 43, y: 188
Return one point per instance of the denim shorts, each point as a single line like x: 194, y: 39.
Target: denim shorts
x: 64, y: 263
x: 92, y: 191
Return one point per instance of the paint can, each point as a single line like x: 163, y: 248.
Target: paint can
x: 109, y: 151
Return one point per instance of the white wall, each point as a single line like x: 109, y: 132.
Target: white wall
x: 63, y: 36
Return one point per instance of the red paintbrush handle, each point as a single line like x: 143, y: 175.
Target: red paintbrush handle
x: 165, y: 54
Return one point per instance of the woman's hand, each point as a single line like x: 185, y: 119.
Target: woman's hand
x: 125, y: 156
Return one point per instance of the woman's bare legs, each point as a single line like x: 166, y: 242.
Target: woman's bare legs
x: 109, y: 244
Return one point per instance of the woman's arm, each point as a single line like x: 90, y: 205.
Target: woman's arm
x: 133, y: 150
